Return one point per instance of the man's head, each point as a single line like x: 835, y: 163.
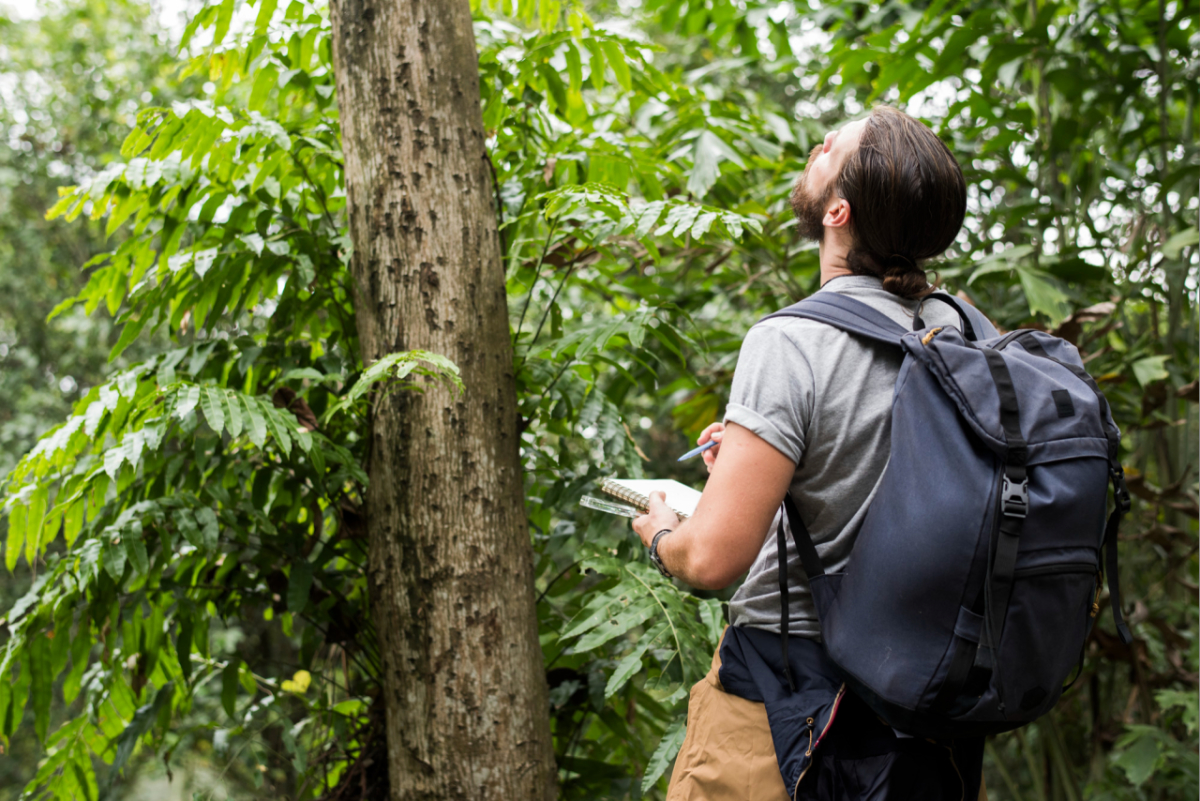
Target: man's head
x: 888, y: 184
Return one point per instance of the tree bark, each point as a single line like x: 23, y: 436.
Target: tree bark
x: 451, y: 565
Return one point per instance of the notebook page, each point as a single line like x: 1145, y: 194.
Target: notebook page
x: 680, y: 497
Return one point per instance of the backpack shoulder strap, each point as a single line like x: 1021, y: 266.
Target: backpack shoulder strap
x: 974, y: 325
x: 846, y: 314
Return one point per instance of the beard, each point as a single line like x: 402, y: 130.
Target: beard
x: 809, y: 208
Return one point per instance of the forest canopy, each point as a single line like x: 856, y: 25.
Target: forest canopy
x: 185, y: 411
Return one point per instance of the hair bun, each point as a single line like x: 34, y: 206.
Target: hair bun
x: 901, y: 276
x: 905, y: 282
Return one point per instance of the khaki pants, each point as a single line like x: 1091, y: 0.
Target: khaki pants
x: 728, y: 753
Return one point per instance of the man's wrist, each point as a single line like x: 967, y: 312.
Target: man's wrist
x: 655, y: 559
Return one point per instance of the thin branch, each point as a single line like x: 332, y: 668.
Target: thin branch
x: 499, y: 205
x: 562, y: 370
x: 316, y: 190
x: 536, y: 275
x: 554, y: 580
x: 549, y: 308
x: 998, y: 764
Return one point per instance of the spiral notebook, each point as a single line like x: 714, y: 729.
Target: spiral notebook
x: 681, y: 498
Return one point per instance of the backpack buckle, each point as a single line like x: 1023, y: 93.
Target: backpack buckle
x: 1121, y: 490
x: 1014, y: 498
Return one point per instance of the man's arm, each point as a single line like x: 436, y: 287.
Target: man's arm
x: 720, y: 541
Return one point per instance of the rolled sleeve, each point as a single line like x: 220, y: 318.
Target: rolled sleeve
x: 772, y: 389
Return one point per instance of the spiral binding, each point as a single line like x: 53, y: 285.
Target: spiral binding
x: 628, y: 495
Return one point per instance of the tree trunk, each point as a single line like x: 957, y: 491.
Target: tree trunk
x: 451, y: 566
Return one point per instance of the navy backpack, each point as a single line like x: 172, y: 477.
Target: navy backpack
x: 975, y: 579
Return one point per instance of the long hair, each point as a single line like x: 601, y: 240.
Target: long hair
x: 907, y: 198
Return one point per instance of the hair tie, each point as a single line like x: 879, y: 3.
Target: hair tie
x: 897, y: 260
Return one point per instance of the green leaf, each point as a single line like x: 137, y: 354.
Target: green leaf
x: 598, y: 608
x: 281, y: 429
x: 210, y: 530
x: 714, y: 620
x: 266, y: 10
x: 224, y: 16
x: 708, y: 151
x: 635, y: 614
x: 42, y: 682
x: 702, y: 225
x: 143, y: 719
x: 185, y: 521
x: 299, y: 584
x: 186, y: 400
x: 632, y: 663
x: 190, y: 30
x: 81, y: 647
x: 679, y: 219
x: 662, y: 757
x: 60, y: 644
x: 1007, y: 74
x: 246, y: 679
x: 554, y: 87
x: 229, y: 686
x: 268, y: 167
x: 231, y: 413
x: 1150, y: 369
x: 33, y: 523
x: 395, y: 366
x: 574, y: 68
x: 135, y: 548
x: 85, y: 775
x: 1043, y: 295
x: 127, y: 206
x: 256, y: 422
x: 18, y: 696
x: 596, y: 64
x: 16, y: 535
x: 1003, y: 261
x: 48, y: 769
x: 1142, y: 755
x: 129, y: 333
x: 616, y: 60
x: 90, y: 555
x: 626, y: 668
x: 1186, y: 701
x: 137, y: 141
x: 1175, y: 245
x: 264, y: 82
x: 114, y: 558
x: 210, y: 404
x: 308, y: 373
x: 183, y: 644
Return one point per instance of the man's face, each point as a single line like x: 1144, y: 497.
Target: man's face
x: 813, y: 196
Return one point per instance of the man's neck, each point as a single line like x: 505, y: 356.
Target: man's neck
x: 833, y: 251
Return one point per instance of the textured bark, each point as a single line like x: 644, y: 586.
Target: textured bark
x: 451, y: 565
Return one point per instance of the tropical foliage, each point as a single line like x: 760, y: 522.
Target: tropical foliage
x: 192, y: 531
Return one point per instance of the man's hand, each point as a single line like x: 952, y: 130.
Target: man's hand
x: 659, y: 517
x: 721, y: 539
x: 714, y: 432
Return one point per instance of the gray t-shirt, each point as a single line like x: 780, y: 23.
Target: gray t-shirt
x: 823, y: 398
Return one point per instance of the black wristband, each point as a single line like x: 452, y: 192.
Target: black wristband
x: 655, y: 559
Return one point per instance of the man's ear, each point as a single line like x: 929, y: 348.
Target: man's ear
x: 837, y: 213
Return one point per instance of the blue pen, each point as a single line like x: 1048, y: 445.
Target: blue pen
x: 712, y: 443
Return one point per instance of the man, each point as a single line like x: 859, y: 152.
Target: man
x: 809, y: 413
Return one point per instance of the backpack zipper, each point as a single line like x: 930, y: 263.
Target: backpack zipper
x: 837, y: 703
